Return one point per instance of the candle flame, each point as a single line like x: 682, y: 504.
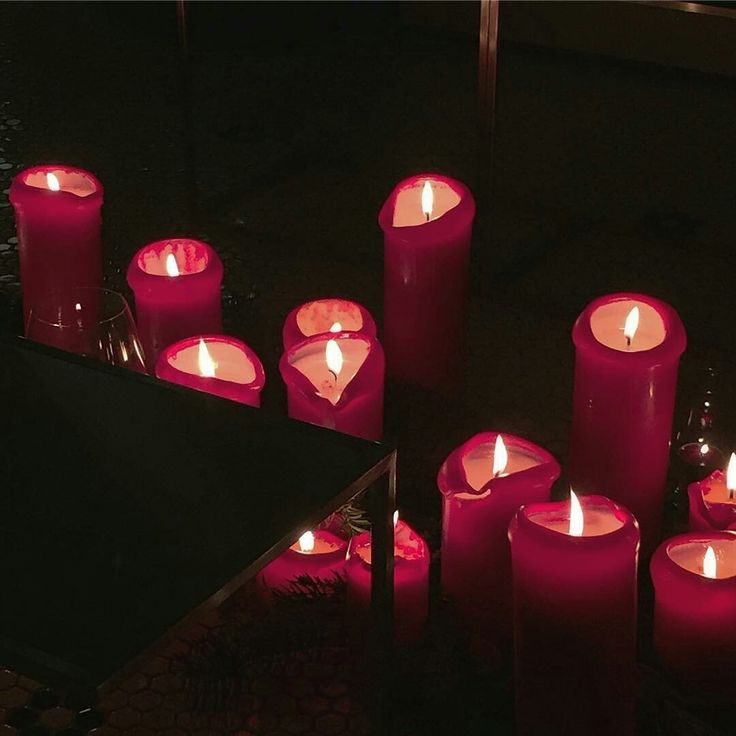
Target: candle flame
x: 632, y: 324
x: 172, y: 267
x: 206, y: 364
x: 709, y: 563
x: 427, y: 200
x: 731, y: 475
x: 336, y: 327
x: 333, y: 357
x: 306, y: 542
x: 576, y: 516
x: 396, y: 517
x: 500, y: 457
x: 52, y: 182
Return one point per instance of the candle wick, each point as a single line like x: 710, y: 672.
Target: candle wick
x: 427, y: 216
x: 333, y: 374
x: 628, y: 342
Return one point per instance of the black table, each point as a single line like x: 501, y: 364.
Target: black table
x: 128, y: 504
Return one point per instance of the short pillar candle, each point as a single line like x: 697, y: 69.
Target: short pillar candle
x: 319, y: 554
x: 427, y: 222
x: 216, y: 364
x: 322, y: 316
x: 694, y: 578
x: 483, y: 483
x: 712, y: 501
x: 628, y: 348
x: 176, y: 283
x: 336, y: 381
x: 57, y: 212
x: 411, y: 580
x: 574, y: 577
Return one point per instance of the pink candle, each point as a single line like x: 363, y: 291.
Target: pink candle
x: 217, y: 364
x: 326, y: 315
x: 57, y: 211
x: 411, y: 579
x: 628, y: 348
x: 574, y: 576
x: 694, y: 579
x: 713, y: 500
x: 319, y: 554
x: 176, y: 283
x: 426, y: 222
x: 483, y: 483
x: 336, y: 381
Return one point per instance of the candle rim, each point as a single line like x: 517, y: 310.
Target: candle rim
x: 419, y: 183
x: 361, y: 311
x: 365, y: 539
x: 661, y: 557
x: 341, y: 545
x: 20, y: 181
x: 673, y: 344
x: 159, y: 245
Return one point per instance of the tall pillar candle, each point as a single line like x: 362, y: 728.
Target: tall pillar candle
x: 326, y: 315
x: 574, y: 576
x: 176, y: 283
x: 57, y: 212
x: 694, y: 578
x: 628, y: 348
x: 411, y: 580
x: 216, y: 364
x: 427, y: 222
x: 336, y: 381
x: 483, y: 484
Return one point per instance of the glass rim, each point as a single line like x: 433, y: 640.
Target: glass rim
x: 120, y: 309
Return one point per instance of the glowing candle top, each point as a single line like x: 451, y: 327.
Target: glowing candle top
x: 58, y: 180
x: 321, y: 316
x: 712, y: 557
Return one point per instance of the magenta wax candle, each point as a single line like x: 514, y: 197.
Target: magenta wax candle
x: 628, y: 348
x: 411, y: 580
x: 483, y: 483
x: 574, y: 578
x: 216, y: 364
x: 694, y: 578
x: 176, y: 283
x: 336, y: 381
x: 713, y: 500
x: 427, y: 222
x: 326, y: 315
x: 57, y: 212
x: 319, y: 554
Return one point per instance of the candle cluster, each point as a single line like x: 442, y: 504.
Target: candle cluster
x: 554, y: 581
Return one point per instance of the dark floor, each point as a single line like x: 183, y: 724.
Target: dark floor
x: 279, y: 138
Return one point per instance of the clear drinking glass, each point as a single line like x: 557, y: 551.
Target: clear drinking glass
x: 88, y: 321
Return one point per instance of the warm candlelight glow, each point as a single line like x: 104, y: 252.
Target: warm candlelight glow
x: 172, y: 267
x: 333, y: 357
x: 427, y: 200
x: 731, y: 476
x: 631, y: 325
x: 709, y: 563
x: 500, y: 457
x: 336, y: 327
x: 396, y: 517
x: 206, y: 364
x: 306, y: 542
x: 52, y: 182
x: 576, y: 516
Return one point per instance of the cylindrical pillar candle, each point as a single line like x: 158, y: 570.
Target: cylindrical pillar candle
x: 411, y: 580
x: 483, y: 484
x: 628, y: 349
x: 326, y: 315
x: 694, y: 578
x: 427, y: 222
x: 57, y: 212
x: 217, y: 364
x: 713, y: 500
x: 574, y: 577
x: 319, y: 554
x: 176, y: 283
x: 336, y: 381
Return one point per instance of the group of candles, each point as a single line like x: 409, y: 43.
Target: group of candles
x: 558, y: 579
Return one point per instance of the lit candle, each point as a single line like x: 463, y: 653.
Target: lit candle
x: 57, y: 212
x: 326, y: 315
x: 217, y: 364
x: 574, y: 578
x: 336, y: 381
x: 713, y: 500
x: 176, y: 283
x: 319, y: 554
x: 628, y: 348
x: 427, y: 222
x: 483, y: 483
x: 694, y: 578
x: 411, y: 580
